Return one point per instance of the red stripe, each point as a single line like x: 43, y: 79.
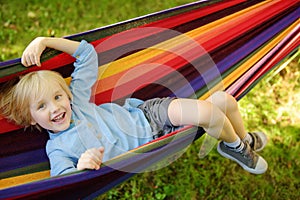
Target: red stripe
x: 6, y: 126
x: 133, y: 35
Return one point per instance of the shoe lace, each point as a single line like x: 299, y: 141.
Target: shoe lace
x: 249, y: 155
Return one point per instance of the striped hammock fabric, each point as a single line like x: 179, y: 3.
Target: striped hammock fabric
x: 188, y: 51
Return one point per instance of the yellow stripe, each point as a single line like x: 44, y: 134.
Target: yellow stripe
x: 27, y: 178
x: 222, y: 24
x: 180, y: 42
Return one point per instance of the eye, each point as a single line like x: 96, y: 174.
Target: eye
x: 57, y: 97
x: 41, y: 106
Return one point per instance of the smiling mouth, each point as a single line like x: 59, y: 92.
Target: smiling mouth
x: 59, y: 118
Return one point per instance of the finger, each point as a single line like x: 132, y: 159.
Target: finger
x: 92, y: 164
x: 37, y: 60
x: 90, y: 159
x: 31, y: 59
x: 95, y: 155
x: 101, y: 149
x: 28, y: 59
x: 27, y: 62
x: 87, y: 163
x: 24, y: 60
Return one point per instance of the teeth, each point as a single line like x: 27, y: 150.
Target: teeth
x: 59, y: 117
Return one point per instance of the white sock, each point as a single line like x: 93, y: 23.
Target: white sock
x: 248, y: 138
x: 238, y: 145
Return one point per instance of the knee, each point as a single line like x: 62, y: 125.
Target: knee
x: 214, y: 120
x: 211, y: 116
x: 224, y: 101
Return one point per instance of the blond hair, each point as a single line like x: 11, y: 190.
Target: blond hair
x: 16, y: 95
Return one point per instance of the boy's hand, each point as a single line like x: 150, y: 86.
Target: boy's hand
x: 91, y: 159
x: 32, y: 53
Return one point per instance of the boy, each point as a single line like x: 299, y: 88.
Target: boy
x: 83, y: 135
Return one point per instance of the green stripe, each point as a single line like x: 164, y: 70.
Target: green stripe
x: 25, y: 170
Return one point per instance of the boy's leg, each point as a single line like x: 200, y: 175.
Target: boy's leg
x: 204, y: 114
x: 215, y: 122
x: 229, y: 106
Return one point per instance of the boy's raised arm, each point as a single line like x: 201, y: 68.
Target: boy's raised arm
x: 33, y: 52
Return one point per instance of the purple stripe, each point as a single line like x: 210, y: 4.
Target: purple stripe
x: 23, y: 160
x: 89, y: 182
x: 229, y: 61
x: 235, y: 87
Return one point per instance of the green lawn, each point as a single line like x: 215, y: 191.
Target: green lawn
x: 272, y: 106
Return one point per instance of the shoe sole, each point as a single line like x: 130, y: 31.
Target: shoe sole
x: 253, y: 171
x: 264, y: 138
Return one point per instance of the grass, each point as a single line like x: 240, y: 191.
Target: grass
x: 272, y: 106
x: 21, y: 21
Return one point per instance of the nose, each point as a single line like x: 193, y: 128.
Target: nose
x: 54, y: 107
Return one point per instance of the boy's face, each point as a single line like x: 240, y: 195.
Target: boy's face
x: 52, y: 111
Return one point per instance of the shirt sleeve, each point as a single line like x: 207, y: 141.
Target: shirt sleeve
x: 85, y: 73
x: 60, y: 163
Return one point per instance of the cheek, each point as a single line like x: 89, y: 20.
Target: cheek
x: 33, y: 118
x: 67, y: 104
x: 36, y: 117
x: 70, y: 110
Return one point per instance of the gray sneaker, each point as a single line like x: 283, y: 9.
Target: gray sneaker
x: 259, y: 141
x: 246, y: 158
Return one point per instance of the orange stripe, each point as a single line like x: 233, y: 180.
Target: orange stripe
x: 27, y: 178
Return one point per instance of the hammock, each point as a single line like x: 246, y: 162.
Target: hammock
x: 187, y: 51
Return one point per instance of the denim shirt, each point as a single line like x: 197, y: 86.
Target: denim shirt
x: 116, y: 128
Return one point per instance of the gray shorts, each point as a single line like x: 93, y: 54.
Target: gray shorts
x: 156, y: 112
